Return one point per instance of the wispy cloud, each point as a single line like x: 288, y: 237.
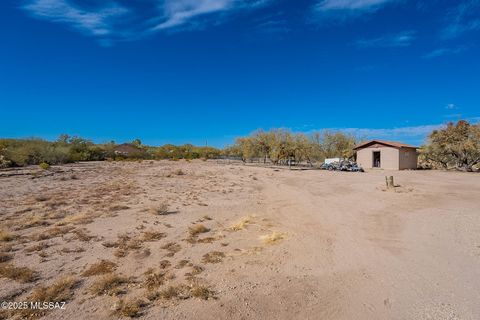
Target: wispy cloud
x: 98, y: 22
x: 400, y: 133
x: 114, y: 21
x: 463, y: 18
x: 340, y: 11
x: 402, y: 39
x: 177, y: 13
x: 451, y: 106
x: 443, y: 52
x: 327, y: 5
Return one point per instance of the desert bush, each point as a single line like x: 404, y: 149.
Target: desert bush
x: 21, y: 274
x: 161, y: 209
x: 213, y: 257
x: 197, y: 229
x: 201, y: 291
x: 273, y: 237
x: 44, y: 166
x: 457, y: 146
x: 108, y: 285
x: 130, y: 308
x: 101, y: 267
x: 6, y: 236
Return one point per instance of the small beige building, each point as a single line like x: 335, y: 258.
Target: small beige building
x: 386, y: 155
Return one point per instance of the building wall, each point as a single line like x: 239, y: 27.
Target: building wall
x: 408, y: 158
x: 389, y: 157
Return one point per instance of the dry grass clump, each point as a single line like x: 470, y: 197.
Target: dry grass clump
x: 81, y: 234
x: 182, y: 263
x: 101, y: 267
x: 41, y: 198
x: 4, y: 257
x: 202, y: 292
x: 61, y: 290
x: 32, y: 221
x: 6, y: 236
x: 154, y: 279
x: 165, y: 264
x: 131, y: 308
x: 125, y: 243
x: 196, y: 270
x: 180, y: 292
x: 273, y: 237
x: 172, y: 248
x: 21, y: 274
x: 118, y: 207
x: 206, y: 240
x: 38, y: 247
x: 241, y: 224
x: 6, y: 247
x: 153, y: 235
x: 108, y: 285
x: 73, y: 250
x: 161, y: 209
x: 51, y: 233
x: 213, y: 257
x: 179, y: 172
x: 197, y: 229
x: 183, y: 292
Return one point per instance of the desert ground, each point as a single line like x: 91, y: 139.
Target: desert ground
x: 219, y: 240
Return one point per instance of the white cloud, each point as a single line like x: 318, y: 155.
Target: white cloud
x: 443, y: 52
x: 463, y: 18
x: 402, y: 39
x: 340, y: 11
x: 96, y: 23
x: 451, y: 106
x: 394, y: 133
x: 113, y: 21
x: 178, y: 12
x: 326, y: 5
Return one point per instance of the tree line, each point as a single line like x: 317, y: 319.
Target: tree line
x: 455, y: 146
x: 67, y: 149
x: 281, y: 146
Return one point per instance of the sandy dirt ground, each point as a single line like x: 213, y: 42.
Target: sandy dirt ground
x: 209, y: 240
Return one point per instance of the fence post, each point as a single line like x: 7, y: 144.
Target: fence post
x: 389, y: 182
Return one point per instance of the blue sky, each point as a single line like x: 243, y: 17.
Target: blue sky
x: 210, y: 70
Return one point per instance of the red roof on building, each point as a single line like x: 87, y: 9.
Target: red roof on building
x: 386, y: 143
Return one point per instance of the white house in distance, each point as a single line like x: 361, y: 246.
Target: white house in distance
x: 386, y: 155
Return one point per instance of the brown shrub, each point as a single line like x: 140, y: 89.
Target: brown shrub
x: 202, y: 292
x: 165, y: 264
x: 101, y: 267
x: 161, y: 209
x: 172, y: 248
x: 21, y: 274
x: 51, y: 233
x: 131, y: 308
x: 153, y: 279
x: 6, y: 236
x: 272, y: 238
x: 153, y: 235
x: 108, y: 285
x: 213, y: 257
x: 4, y: 257
x: 60, y: 291
x: 197, y: 229
x: 175, y: 292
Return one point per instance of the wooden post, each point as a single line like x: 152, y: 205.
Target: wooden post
x: 389, y: 182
